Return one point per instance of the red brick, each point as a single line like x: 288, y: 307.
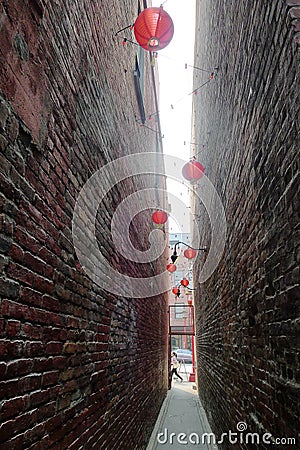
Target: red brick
x: 19, y: 367
x: 33, y: 263
x: 54, y: 348
x: 50, y: 378
x: 16, y: 253
x: 31, y: 382
x: 13, y: 328
x: 17, y: 272
x: 59, y: 362
x: 43, y: 396
x: 33, y: 349
x: 57, y: 341
x: 14, y: 310
x: 32, y: 331
x: 8, y: 389
x: 10, y: 407
x: 2, y: 370
x: 51, y: 333
x: 12, y: 427
x: 30, y: 297
x: 48, y: 257
x: 244, y: 314
x: 54, y: 423
x: 50, y: 303
x: 42, y: 284
x: 25, y: 240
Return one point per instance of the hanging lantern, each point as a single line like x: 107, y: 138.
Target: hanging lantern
x: 190, y: 302
x: 159, y: 217
x: 189, y: 253
x: 193, y: 171
x: 153, y: 29
x: 171, y: 268
x: 184, y: 282
x: 176, y: 291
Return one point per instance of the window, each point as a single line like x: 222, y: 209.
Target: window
x: 179, y: 308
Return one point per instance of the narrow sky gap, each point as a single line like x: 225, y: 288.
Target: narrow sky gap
x: 175, y: 85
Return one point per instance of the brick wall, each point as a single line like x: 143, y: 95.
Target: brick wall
x: 247, y: 326
x: 80, y: 367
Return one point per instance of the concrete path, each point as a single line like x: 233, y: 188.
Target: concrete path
x: 182, y: 413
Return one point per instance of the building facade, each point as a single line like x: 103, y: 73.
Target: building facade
x: 247, y: 311
x: 179, y: 313
x: 73, y: 354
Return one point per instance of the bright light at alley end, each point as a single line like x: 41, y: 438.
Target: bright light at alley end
x: 153, y: 29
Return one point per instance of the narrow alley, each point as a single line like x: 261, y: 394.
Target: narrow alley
x: 104, y: 307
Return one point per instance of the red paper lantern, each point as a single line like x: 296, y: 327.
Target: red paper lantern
x: 175, y: 291
x: 190, y: 302
x: 189, y: 253
x: 171, y: 268
x: 153, y: 29
x: 184, y: 282
x: 159, y: 217
x: 193, y: 171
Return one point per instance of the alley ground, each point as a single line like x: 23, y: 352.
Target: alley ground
x: 182, y: 421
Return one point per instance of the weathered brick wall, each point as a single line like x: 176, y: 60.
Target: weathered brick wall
x: 247, y: 326
x: 80, y: 368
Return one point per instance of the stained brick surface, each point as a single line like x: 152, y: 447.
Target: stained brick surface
x: 80, y: 368
x: 247, y: 312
